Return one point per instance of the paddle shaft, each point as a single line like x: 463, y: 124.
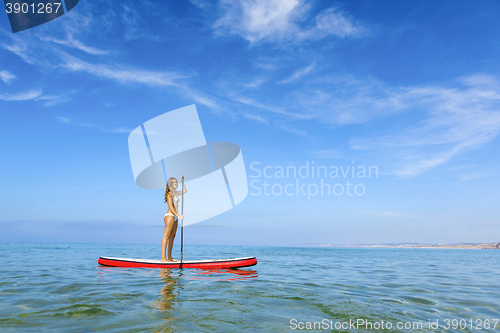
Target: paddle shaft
x: 182, y: 222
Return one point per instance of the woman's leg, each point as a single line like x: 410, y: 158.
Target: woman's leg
x: 170, y: 241
x: 169, y: 223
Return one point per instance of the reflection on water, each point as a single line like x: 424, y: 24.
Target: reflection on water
x: 172, y: 288
x: 168, y: 291
x: 226, y: 274
x: 166, y: 302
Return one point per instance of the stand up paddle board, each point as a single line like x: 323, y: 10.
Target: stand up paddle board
x: 202, y: 264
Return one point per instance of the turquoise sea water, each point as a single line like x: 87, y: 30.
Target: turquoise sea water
x: 51, y: 287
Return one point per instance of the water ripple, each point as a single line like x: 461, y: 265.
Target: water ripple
x: 396, y: 285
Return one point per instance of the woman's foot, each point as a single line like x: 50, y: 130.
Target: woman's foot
x: 164, y: 260
x: 172, y: 260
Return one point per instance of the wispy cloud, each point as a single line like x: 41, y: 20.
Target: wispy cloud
x: 130, y: 74
x: 118, y: 130
x: 64, y: 120
x: 278, y: 20
x: 256, y: 117
x: 474, y: 175
x: 6, y: 76
x: 345, y: 100
x: 200, y: 3
x: 254, y: 103
x: 70, y: 41
x: 453, y: 120
x: 266, y: 64
x: 75, y: 27
x: 35, y: 95
x: 122, y: 74
x: 292, y: 129
x: 130, y: 18
x: 255, y: 84
x: 20, y: 48
x: 198, y: 96
x: 448, y: 120
x: 331, y: 100
x: 23, y: 96
x: 326, y: 154
x: 298, y: 74
x: 135, y: 20
x: 51, y: 100
x: 333, y: 22
x: 53, y: 58
x: 259, y: 19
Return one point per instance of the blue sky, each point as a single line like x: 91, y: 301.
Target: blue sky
x: 412, y: 88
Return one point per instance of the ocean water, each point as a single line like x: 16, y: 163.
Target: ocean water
x: 52, y: 287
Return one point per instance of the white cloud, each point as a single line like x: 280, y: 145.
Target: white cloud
x: 293, y: 130
x: 53, y: 58
x: 474, y: 175
x: 129, y: 74
x: 334, y: 23
x: 24, y: 96
x: 119, y: 130
x: 135, y: 20
x: 331, y: 100
x: 36, y: 95
x: 199, y: 3
x: 20, y: 48
x: 256, y: 117
x: 64, y: 120
x: 252, y: 102
x: 267, y: 64
x: 344, y: 100
x: 78, y: 24
x: 255, y: 84
x: 446, y: 121
x: 70, y: 41
x: 130, y: 18
x: 258, y: 19
x: 121, y: 74
x: 299, y: 73
x: 453, y: 120
x: 198, y: 96
x: 274, y: 20
x: 326, y: 154
x: 56, y: 99
x: 6, y: 76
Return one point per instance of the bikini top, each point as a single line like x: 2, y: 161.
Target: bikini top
x: 176, y: 199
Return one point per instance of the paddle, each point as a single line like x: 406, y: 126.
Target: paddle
x: 182, y: 221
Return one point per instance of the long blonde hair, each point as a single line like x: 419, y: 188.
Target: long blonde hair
x: 170, y: 188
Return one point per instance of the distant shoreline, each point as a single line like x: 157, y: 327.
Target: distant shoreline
x: 489, y: 246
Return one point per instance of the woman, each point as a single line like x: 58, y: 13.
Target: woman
x: 172, y: 198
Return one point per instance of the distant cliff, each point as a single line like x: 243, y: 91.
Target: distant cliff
x: 427, y: 246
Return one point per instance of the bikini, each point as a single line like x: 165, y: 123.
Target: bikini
x: 176, y: 200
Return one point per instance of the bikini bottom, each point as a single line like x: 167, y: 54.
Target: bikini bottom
x: 175, y: 217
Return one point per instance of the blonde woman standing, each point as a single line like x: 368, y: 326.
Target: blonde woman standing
x: 171, y: 218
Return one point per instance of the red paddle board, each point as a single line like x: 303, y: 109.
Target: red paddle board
x: 202, y: 264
